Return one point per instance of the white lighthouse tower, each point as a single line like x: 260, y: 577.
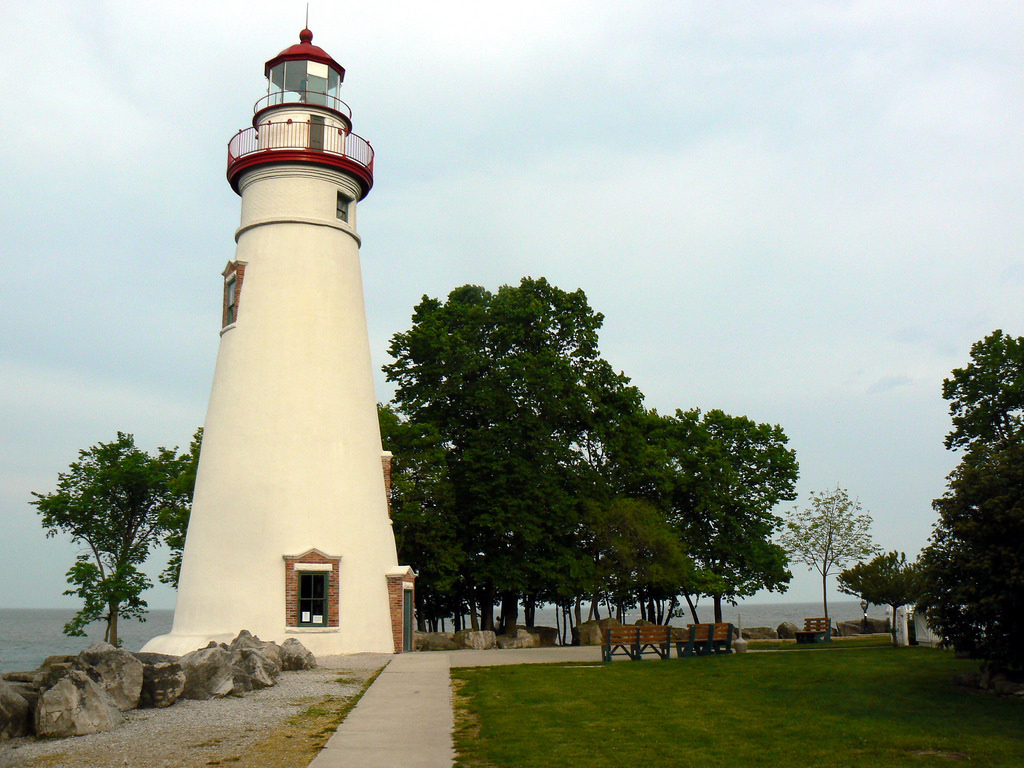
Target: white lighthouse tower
x: 290, y: 534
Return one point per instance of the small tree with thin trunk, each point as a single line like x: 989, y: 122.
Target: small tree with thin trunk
x: 886, y: 580
x: 116, y: 502
x: 830, y: 533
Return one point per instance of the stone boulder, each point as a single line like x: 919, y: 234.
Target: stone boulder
x: 294, y: 656
x: 547, y: 637
x: 857, y: 627
x: 163, y: 682
x: 878, y: 626
x: 208, y: 673
x: 435, y: 641
x: 520, y: 639
x: 592, y: 632
x: 760, y: 633
x: 75, y: 706
x: 787, y: 630
x: 477, y: 640
x: 115, y: 670
x: 14, y: 712
x: 51, y: 670
x: 252, y: 669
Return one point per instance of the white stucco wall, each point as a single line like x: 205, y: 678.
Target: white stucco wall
x: 291, y: 447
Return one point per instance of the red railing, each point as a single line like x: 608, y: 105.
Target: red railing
x: 311, y: 136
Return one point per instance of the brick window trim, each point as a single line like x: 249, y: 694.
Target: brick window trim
x: 233, y: 272
x: 400, y: 581
x: 318, y: 562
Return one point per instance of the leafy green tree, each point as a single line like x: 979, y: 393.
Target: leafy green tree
x: 510, y: 383
x: 973, y: 567
x: 986, y: 399
x: 117, y: 502
x: 887, y: 579
x: 422, y: 511
x: 830, y: 533
x: 178, y: 517
x: 729, y: 474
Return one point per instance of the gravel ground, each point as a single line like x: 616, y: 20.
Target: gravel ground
x: 200, y: 733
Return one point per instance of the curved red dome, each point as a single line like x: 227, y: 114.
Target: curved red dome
x: 304, y: 50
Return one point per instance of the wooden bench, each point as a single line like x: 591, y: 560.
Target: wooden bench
x: 636, y: 641
x: 706, y: 639
x: 815, y: 631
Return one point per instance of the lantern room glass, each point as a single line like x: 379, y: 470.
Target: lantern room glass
x: 310, y: 82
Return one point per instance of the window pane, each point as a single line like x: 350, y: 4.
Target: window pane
x: 295, y: 75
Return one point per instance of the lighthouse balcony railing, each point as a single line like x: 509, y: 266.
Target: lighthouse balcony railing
x: 303, y: 97
x: 304, y: 136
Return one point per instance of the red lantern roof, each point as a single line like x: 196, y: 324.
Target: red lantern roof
x: 304, y: 50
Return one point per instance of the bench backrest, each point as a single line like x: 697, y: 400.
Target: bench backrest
x: 644, y: 635
x: 818, y: 625
x: 718, y: 632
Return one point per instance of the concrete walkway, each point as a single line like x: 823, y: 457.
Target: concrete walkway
x: 405, y: 718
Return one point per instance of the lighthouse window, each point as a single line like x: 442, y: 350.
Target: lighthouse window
x: 316, y: 82
x: 230, y: 301
x: 342, y: 207
x: 312, y: 599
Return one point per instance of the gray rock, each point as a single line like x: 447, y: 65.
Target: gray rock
x: 787, y: 630
x: 163, y: 682
x: 19, y: 677
x: 547, y: 637
x: 51, y: 671
x: 155, y: 658
x: 435, y: 641
x: 115, y: 670
x: 252, y: 669
x: 14, y: 712
x: 760, y: 633
x: 75, y: 706
x: 208, y: 673
x: 592, y: 632
x: 521, y: 639
x: 294, y: 655
x: 857, y: 627
x: 478, y: 640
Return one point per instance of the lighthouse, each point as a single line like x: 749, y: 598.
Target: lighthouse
x: 290, y: 534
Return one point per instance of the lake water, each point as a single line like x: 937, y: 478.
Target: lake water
x: 29, y: 636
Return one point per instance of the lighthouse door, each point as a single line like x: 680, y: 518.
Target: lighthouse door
x: 316, y: 132
x: 407, y: 630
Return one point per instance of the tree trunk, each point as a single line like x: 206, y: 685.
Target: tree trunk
x: 693, y: 609
x: 577, y: 609
x: 824, y: 594
x: 530, y: 611
x: 112, y: 624
x: 487, y: 608
x: 474, y: 623
x: 509, y: 612
x: 718, y: 608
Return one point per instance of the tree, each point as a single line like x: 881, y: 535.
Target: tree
x: 177, y: 518
x: 986, y: 399
x: 973, y: 567
x: 423, y: 514
x: 117, y: 501
x: 729, y: 473
x: 888, y: 579
x: 830, y: 533
x: 510, y: 383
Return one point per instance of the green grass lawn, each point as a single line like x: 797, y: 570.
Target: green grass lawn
x: 874, y: 706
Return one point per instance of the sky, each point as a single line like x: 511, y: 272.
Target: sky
x: 802, y: 212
